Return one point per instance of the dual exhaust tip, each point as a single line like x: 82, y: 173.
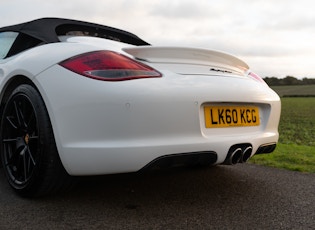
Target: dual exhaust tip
x: 238, y: 154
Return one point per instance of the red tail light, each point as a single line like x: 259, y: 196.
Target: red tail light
x: 109, y: 66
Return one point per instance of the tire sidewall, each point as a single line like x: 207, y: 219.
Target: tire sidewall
x: 43, y: 124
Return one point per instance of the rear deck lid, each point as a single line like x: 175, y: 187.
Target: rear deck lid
x: 189, y: 60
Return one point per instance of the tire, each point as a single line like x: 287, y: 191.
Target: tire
x: 28, y: 150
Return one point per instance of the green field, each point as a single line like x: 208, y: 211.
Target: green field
x: 296, y: 148
x: 297, y: 123
x: 289, y: 156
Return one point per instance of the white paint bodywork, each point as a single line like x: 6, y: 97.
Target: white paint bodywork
x: 103, y: 127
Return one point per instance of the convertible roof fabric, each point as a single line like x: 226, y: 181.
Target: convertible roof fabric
x: 48, y: 29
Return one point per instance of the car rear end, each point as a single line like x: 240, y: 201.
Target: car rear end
x: 237, y: 104
x: 185, y: 105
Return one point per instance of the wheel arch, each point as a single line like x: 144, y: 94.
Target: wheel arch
x: 46, y: 178
x: 9, y: 88
x: 13, y: 83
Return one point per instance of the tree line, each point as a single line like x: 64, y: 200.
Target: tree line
x: 288, y: 80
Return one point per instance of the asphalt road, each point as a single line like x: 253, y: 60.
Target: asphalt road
x: 224, y: 197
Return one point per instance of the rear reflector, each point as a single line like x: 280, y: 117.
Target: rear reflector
x: 256, y: 77
x: 109, y: 66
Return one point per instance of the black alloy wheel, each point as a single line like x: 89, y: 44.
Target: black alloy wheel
x: 28, y: 151
x: 20, y: 139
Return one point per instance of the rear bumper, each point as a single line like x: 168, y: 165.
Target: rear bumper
x: 107, y: 158
x: 113, y: 127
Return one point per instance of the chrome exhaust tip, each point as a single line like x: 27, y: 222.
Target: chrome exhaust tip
x: 233, y: 156
x: 247, y: 153
x: 239, y: 153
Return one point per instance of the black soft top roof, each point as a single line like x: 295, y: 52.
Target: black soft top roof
x: 47, y: 30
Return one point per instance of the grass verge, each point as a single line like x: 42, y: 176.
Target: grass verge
x: 289, y: 156
x: 296, y: 148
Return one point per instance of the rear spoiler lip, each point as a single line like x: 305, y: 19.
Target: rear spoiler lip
x: 184, y: 55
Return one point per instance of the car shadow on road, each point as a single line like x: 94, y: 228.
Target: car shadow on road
x: 165, y: 188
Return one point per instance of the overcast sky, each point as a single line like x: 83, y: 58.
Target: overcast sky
x: 275, y: 37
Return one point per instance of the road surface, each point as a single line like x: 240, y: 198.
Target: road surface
x: 244, y: 196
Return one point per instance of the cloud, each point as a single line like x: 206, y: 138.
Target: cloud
x: 262, y: 31
x: 181, y: 9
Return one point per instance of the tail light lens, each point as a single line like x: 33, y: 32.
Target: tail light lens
x: 109, y: 66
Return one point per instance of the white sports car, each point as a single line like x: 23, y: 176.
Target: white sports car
x: 79, y: 98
